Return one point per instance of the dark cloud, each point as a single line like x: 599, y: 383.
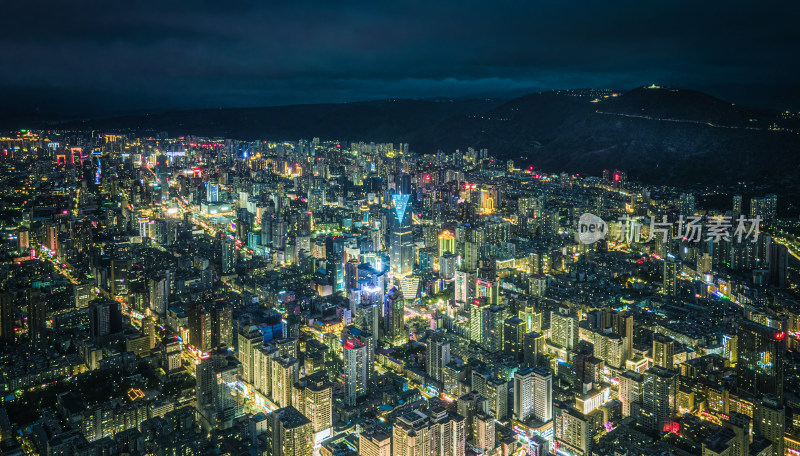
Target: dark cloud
x: 90, y: 56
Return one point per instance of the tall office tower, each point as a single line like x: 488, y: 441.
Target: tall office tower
x: 159, y: 295
x: 464, y: 287
x: 672, y: 271
x: 52, y: 238
x: 659, y: 398
x: 484, y: 433
x: 249, y: 339
x: 285, y: 372
x: 6, y: 317
x: 222, y: 325
x: 533, y: 349
x: 514, y: 330
x: 313, y: 397
x: 447, y: 432
x: 149, y: 330
x: 437, y: 356
x: 199, y: 328
x: 523, y: 394
x: 564, y: 329
x: 394, y: 314
x: 447, y: 266
x: 778, y: 264
x: 471, y: 253
x: 765, y: 207
x: 542, y: 394
x: 289, y: 433
x: 686, y: 204
x: 705, y: 264
x: 351, y: 274
x: 630, y: 391
x: 620, y: 323
x: 212, y: 192
x: 402, y: 238
x: 412, y: 435
x: 374, y: 442
x: 573, y: 431
x: 37, y: 316
x: 737, y: 204
x: 663, y: 351
x: 495, y: 317
x: 769, y: 421
x: 367, y: 317
x: 262, y: 368
x: 760, y: 353
x: 229, y: 256
x: 216, y: 404
x: 469, y: 406
x: 447, y: 243
x: 355, y: 371
x: 478, y: 321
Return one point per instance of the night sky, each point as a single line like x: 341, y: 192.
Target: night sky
x: 94, y: 57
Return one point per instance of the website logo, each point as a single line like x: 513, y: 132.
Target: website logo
x: 591, y: 228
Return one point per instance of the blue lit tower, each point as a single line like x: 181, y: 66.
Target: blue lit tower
x: 402, y: 239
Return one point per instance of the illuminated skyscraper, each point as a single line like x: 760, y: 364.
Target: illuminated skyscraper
x: 663, y: 351
x: 313, y: 398
x: 375, y: 443
x: 672, y: 270
x: 355, y: 370
x: 402, y: 238
x: 249, y: 339
x: 6, y: 317
x: 216, y: 405
x: 289, y: 433
x: 769, y: 421
x: 759, y: 367
x: 659, y: 398
x: 437, y: 356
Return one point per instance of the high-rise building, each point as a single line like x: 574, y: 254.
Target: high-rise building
x: 289, y: 433
x: 610, y: 347
x: 37, y: 316
x: 765, y: 207
x: 159, y: 295
x: 262, y: 368
x: 448, y: 433
x: 216, y: 404
x: 630, y: 391
x: 523, y: 394
x: 402, y: 238
x: 564, y: 329
x: 394, y: 315
x: 620, y: 323
x: 464, y: 287
x: 373, y: 442
x: 437, y: 356
x: 769, y: 422
x: 659, y: 398
x: 469, y: 406
x: 6, y: 317
x: 285, y: 372
x: 412, y: 435
x: 249, y: 339
x: 686, y: 204
x: 533, y: 349
x: 229, y: 256
x: 672, y: 271
x: 355, y: 370
x: 485, y: 433
x: 313, y: 397
x: 542, y: 394
x: 737, y: 204
x: 573, y: 431
x: 514, y: 330
x: 663, y: 351
x: 760, y: 352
